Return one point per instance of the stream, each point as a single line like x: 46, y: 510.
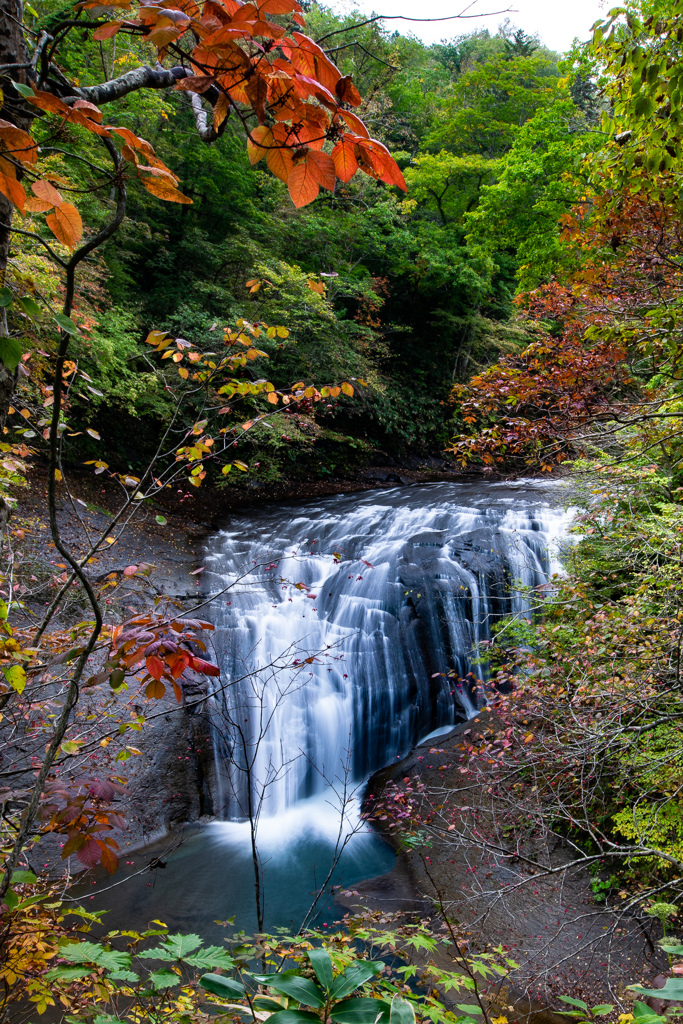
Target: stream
x: 335, y: 648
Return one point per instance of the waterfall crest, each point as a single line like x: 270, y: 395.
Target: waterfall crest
x: 395, y: 588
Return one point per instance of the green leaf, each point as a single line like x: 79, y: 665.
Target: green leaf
x: 644, y: 1014
x: 266, y: 1003
x: 402, y: 1011
x: 361, y: 1011
x: 293, y: 1017
x: 175, y: 947
x: 322, y: 965
x: 213, y: 956
x: 16, y: 677
x: 30, y: 307
x: 117, y: 679
x: 112, y: 960
x: 5, y: 297
x: 218, y: 985
x: 10, y: 352
x: 675, y: 950
x: 24, y: 90
x: 162, y: 520
x: 290, y: 983
x: 575, y: 1002
x: 353, y: 977
x: 66, y: 323
x: 164, y: 979
x: 68, y: 973
x: 672, y: 990
x: 23, y: 878
x: 602, y: 1010
x: 469, y: 1008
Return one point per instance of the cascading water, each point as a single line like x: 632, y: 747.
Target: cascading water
x: 395, y: 588
x: 446, y: 562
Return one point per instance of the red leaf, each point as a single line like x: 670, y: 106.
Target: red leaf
x: 199, y: 665
x: 90, y: 853
x: 347, y: 92
x: 344, y: 157
x: 155, y: 666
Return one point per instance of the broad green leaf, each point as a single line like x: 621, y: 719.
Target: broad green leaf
x: 293, y: 1017
x: 30, y: 307
x: 66, y: 323
x: 675, y: 950
x: 602, y: 1010
x: 162, y: 520
x: 218, y: 985
x: 25, y: 90
x: 292, y: 984
x: 23, y: 878
x: 672, y: 990
x: 266, y: 1003
x: 5, y: 297
x: 361, y: 1011
x: 322, y: 965
x: 353, y: 977
x: 469, y: 1008
x: 574, y: 1002
x: 68, y: 973
x: 402, y: 1011
x: 644, y: 1014
x: 10, y: 352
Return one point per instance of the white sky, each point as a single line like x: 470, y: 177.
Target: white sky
x: 557, y: 22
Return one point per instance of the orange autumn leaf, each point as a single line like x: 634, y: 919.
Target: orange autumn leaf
x: 344, y: 157
x: 163, y: 188
x: 259, y: 142
x: 66, y: 224
x: 13, y: 189
x: 302, y: 185
x: 44, y: 190
x: 322, y: 168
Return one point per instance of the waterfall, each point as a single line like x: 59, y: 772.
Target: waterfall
x: 350, y: 613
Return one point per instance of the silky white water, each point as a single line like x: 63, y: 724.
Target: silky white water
x: 383, y: 594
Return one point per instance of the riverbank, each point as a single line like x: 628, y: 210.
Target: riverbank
x: 563, y: 941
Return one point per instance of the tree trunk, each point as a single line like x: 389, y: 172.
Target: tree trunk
x: 12, y: 51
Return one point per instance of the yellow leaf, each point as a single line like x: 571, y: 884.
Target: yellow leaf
x: 347, y: 389
x: 58, y: 475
